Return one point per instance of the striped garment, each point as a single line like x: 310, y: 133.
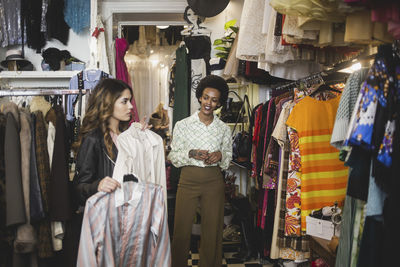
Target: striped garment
x: 323, y: 176
x: 135, y: 234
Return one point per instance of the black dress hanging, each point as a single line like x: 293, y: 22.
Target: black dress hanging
x: 56, y: 26
x: 31, y: 17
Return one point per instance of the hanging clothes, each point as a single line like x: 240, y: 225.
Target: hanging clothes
x: 60, y: 202
x: 372, y: 133
x: 56, y: 26
x: 86, y: 79
x: 57, y: 231
x: 31, y: 13
x: 45, y: 248
x: 199, y: 48
x: 77, y: 14
x: 35, y: 194
x: 346, y: 105
x: 25, y: 238
x: 6, y: 234
x: 135, y: 234
x: 140, y: 153
x: 323, y: 177
x: 282, y: 246
x: 148, y: 66
x: 14, y: 192
x: 121, y: 46
x: 182, y: 83
x: 10, y: 23
x: 251, y: 40
x: 98, y: 60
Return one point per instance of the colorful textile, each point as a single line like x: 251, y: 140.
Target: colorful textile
x: 371, y: 93
x: 135, y: 234
x: 323, y: 176
x: 271, y: 162
x: 346, y: 106
x: 293, y: 201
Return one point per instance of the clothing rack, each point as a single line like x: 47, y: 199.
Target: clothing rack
x: 38, y: 91
x: 319, y: 76
x: 308, y: 79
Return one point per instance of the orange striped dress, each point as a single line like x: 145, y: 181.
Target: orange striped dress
x: 323, y: 176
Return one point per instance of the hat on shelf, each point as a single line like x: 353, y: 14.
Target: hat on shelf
x: 54, y: 56
x: 16, y: 56
x: 207, y: 8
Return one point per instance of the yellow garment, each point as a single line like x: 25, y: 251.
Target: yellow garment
x: 323, y: 176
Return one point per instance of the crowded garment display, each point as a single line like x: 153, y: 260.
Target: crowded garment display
x: 36, y: 193
x: 311, y: 120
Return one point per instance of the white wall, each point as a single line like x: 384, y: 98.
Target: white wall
x: 78, y: 46
x: 216, y: 24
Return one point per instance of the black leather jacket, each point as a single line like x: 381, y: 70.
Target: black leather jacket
x: 92, y: 165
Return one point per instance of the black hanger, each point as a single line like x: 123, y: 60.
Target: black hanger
x: 130, y: 177
x: 326, y: 87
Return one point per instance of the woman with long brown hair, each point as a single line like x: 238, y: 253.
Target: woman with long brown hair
x: 108, y: 114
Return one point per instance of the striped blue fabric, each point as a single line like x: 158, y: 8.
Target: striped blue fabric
x: 134, y: 234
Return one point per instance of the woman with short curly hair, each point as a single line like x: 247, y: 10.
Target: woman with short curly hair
x: 202, y: 146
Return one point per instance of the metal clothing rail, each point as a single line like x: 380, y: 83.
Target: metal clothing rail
x: 38, y: 91
x: 308, y: 79
x: 319, y: 75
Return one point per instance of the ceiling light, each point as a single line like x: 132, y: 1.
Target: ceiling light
x: 356, y: 66
x: 162, y: 27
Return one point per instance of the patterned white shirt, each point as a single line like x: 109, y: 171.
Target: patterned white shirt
x: 190, y: 133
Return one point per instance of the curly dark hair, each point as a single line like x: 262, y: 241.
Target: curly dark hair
x: 100, y: 109
x: 216, y: 82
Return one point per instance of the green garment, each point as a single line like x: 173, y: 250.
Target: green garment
x: 182, y: 86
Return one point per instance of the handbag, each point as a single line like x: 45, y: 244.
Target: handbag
x: 231, y: 110
x: 242, y: 141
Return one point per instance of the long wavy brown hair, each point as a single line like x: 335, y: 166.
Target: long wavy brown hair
x: 100, y: 109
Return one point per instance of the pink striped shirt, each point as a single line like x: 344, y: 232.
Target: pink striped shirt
x: 134, y: 234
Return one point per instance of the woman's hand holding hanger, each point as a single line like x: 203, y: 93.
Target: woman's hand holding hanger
x: 108, y: 185
x: 144, y: 124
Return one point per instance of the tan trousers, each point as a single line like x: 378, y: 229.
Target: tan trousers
x: 204, y: 186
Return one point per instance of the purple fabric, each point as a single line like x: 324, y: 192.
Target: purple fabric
x: 121, y: 46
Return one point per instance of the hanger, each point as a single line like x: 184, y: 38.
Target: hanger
x: 324, y: 87
x: 130, y: 178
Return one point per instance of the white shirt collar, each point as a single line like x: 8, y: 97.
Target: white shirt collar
x: 195, y: 118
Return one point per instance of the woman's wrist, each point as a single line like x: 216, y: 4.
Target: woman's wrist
x: 192, y: 153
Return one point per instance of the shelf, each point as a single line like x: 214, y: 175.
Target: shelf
x: 236, y: 85
x: 35, y: 79
x: 36, y: 74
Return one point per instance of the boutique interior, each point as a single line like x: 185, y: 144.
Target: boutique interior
x: 313, y: 110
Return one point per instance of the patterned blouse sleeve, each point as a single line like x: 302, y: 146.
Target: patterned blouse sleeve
x: 179, y: 154
x: 226, y: 149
